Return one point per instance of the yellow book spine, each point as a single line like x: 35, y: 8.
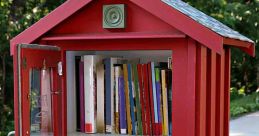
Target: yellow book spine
x: 165, y: 110
x: 126, y: 84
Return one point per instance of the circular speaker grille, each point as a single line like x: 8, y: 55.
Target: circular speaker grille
x: 113, y: 16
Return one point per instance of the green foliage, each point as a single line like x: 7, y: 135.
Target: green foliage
x: 244, y: 104
x: 242, y: 16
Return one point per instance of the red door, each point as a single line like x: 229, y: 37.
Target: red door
x: 39, y: 90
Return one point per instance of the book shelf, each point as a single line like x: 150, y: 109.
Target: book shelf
x: 144, y: 56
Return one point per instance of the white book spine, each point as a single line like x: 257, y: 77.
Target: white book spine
x: 100, y: 123
x: 89, y: 87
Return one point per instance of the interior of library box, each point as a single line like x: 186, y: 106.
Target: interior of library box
x: 132, y: 56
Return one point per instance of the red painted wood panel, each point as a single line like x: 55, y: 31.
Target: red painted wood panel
x: 118, y: 45
x: 183, y: 96
x: 16, y: 96
x: 183, y: 23
x: 201, y: 70
x: 64, y: 93
x: 220, y: 94
x: 227, y: 91
x: 211, y: 93
x: 137, y: 20
x: 191, y: 82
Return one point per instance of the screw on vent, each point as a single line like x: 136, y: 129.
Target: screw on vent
x: 113, y: 16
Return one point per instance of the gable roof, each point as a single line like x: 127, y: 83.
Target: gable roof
x: 180, y: 15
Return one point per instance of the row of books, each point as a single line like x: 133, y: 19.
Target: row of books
x: 122, y: 96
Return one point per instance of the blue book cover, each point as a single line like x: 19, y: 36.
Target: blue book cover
x: 108, y: 93
x: 158, y: 94
x: 132, y: 113
x: 154, y: 91
x: 123, y: 126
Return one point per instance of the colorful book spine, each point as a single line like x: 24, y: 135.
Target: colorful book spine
x: 155, y: 98
x: 126, y: 87
x: 123, y: 125
x: 146, y: 99
x: 100, y: 124
x: 82, y: 103
x: 151, y: 99
x: 132, y: 105
x: 77, y: 85
x: 137, y: 96
x: 159, y: 105
x: 90, y: 93
x: 116, y: 89
x: 142, y: 98
x: 164, y: 99
x: 108, y: 95
x: 169, y: 97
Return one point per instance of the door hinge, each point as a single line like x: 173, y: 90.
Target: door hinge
x: 24, y: 63
x: 60, y: 71
x: 28, y: 96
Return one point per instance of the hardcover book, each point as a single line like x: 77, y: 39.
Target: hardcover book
x: 123, y: 126
x: 159, y: 106
x: 146, y: 99
x: 90, y: 62
x: 126, y: 87
x: 132, y: 105
x: 164, y: 99
x: 156, y: 129
x: 100, y: 122
x: 137, y: 96
x: 151, y: 98
x: 81, y: 98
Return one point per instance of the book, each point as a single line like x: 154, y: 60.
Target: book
x: 156, y: 129
x: 132, y: 105
x: 122, y: 103
x: 116, y: 90
x: 109, y: 93
x: 77, y: 85
x: 100, y: 121
x: 146, y: 99
x: 164, y: 99
x: 142, y: 98
x: 90, y: 62
x: 169, y: 98
x: 126, y: 87
x: 159, y: 106
x: 81, y: 92
x: 137, y: 97
x: 151, y: 98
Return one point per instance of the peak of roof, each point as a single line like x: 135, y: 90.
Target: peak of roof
x: 206, y: 20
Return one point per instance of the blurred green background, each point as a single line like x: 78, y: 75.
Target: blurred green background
x: 241, y: 15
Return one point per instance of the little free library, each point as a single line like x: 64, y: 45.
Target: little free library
x: 135, y: 67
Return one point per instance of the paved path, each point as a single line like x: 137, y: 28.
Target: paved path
x: 245, y: 126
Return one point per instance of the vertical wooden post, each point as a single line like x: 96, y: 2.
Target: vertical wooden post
x: 227, y: 91
x: 16, y: 92
x: 201, y: 90
x: 64, y: 93
x: 211, y: 93
x: 220, y: 94
x: 184, y: 89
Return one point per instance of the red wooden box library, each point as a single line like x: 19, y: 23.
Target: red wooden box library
x: 153, y: 30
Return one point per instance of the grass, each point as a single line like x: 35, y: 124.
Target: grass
x: 244, y: 105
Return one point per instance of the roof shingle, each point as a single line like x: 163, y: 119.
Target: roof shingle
x: 206, y: 20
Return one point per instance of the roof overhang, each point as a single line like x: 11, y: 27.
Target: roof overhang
x: 247, y: 47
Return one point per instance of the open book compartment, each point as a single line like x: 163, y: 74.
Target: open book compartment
x: 144, y: 57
